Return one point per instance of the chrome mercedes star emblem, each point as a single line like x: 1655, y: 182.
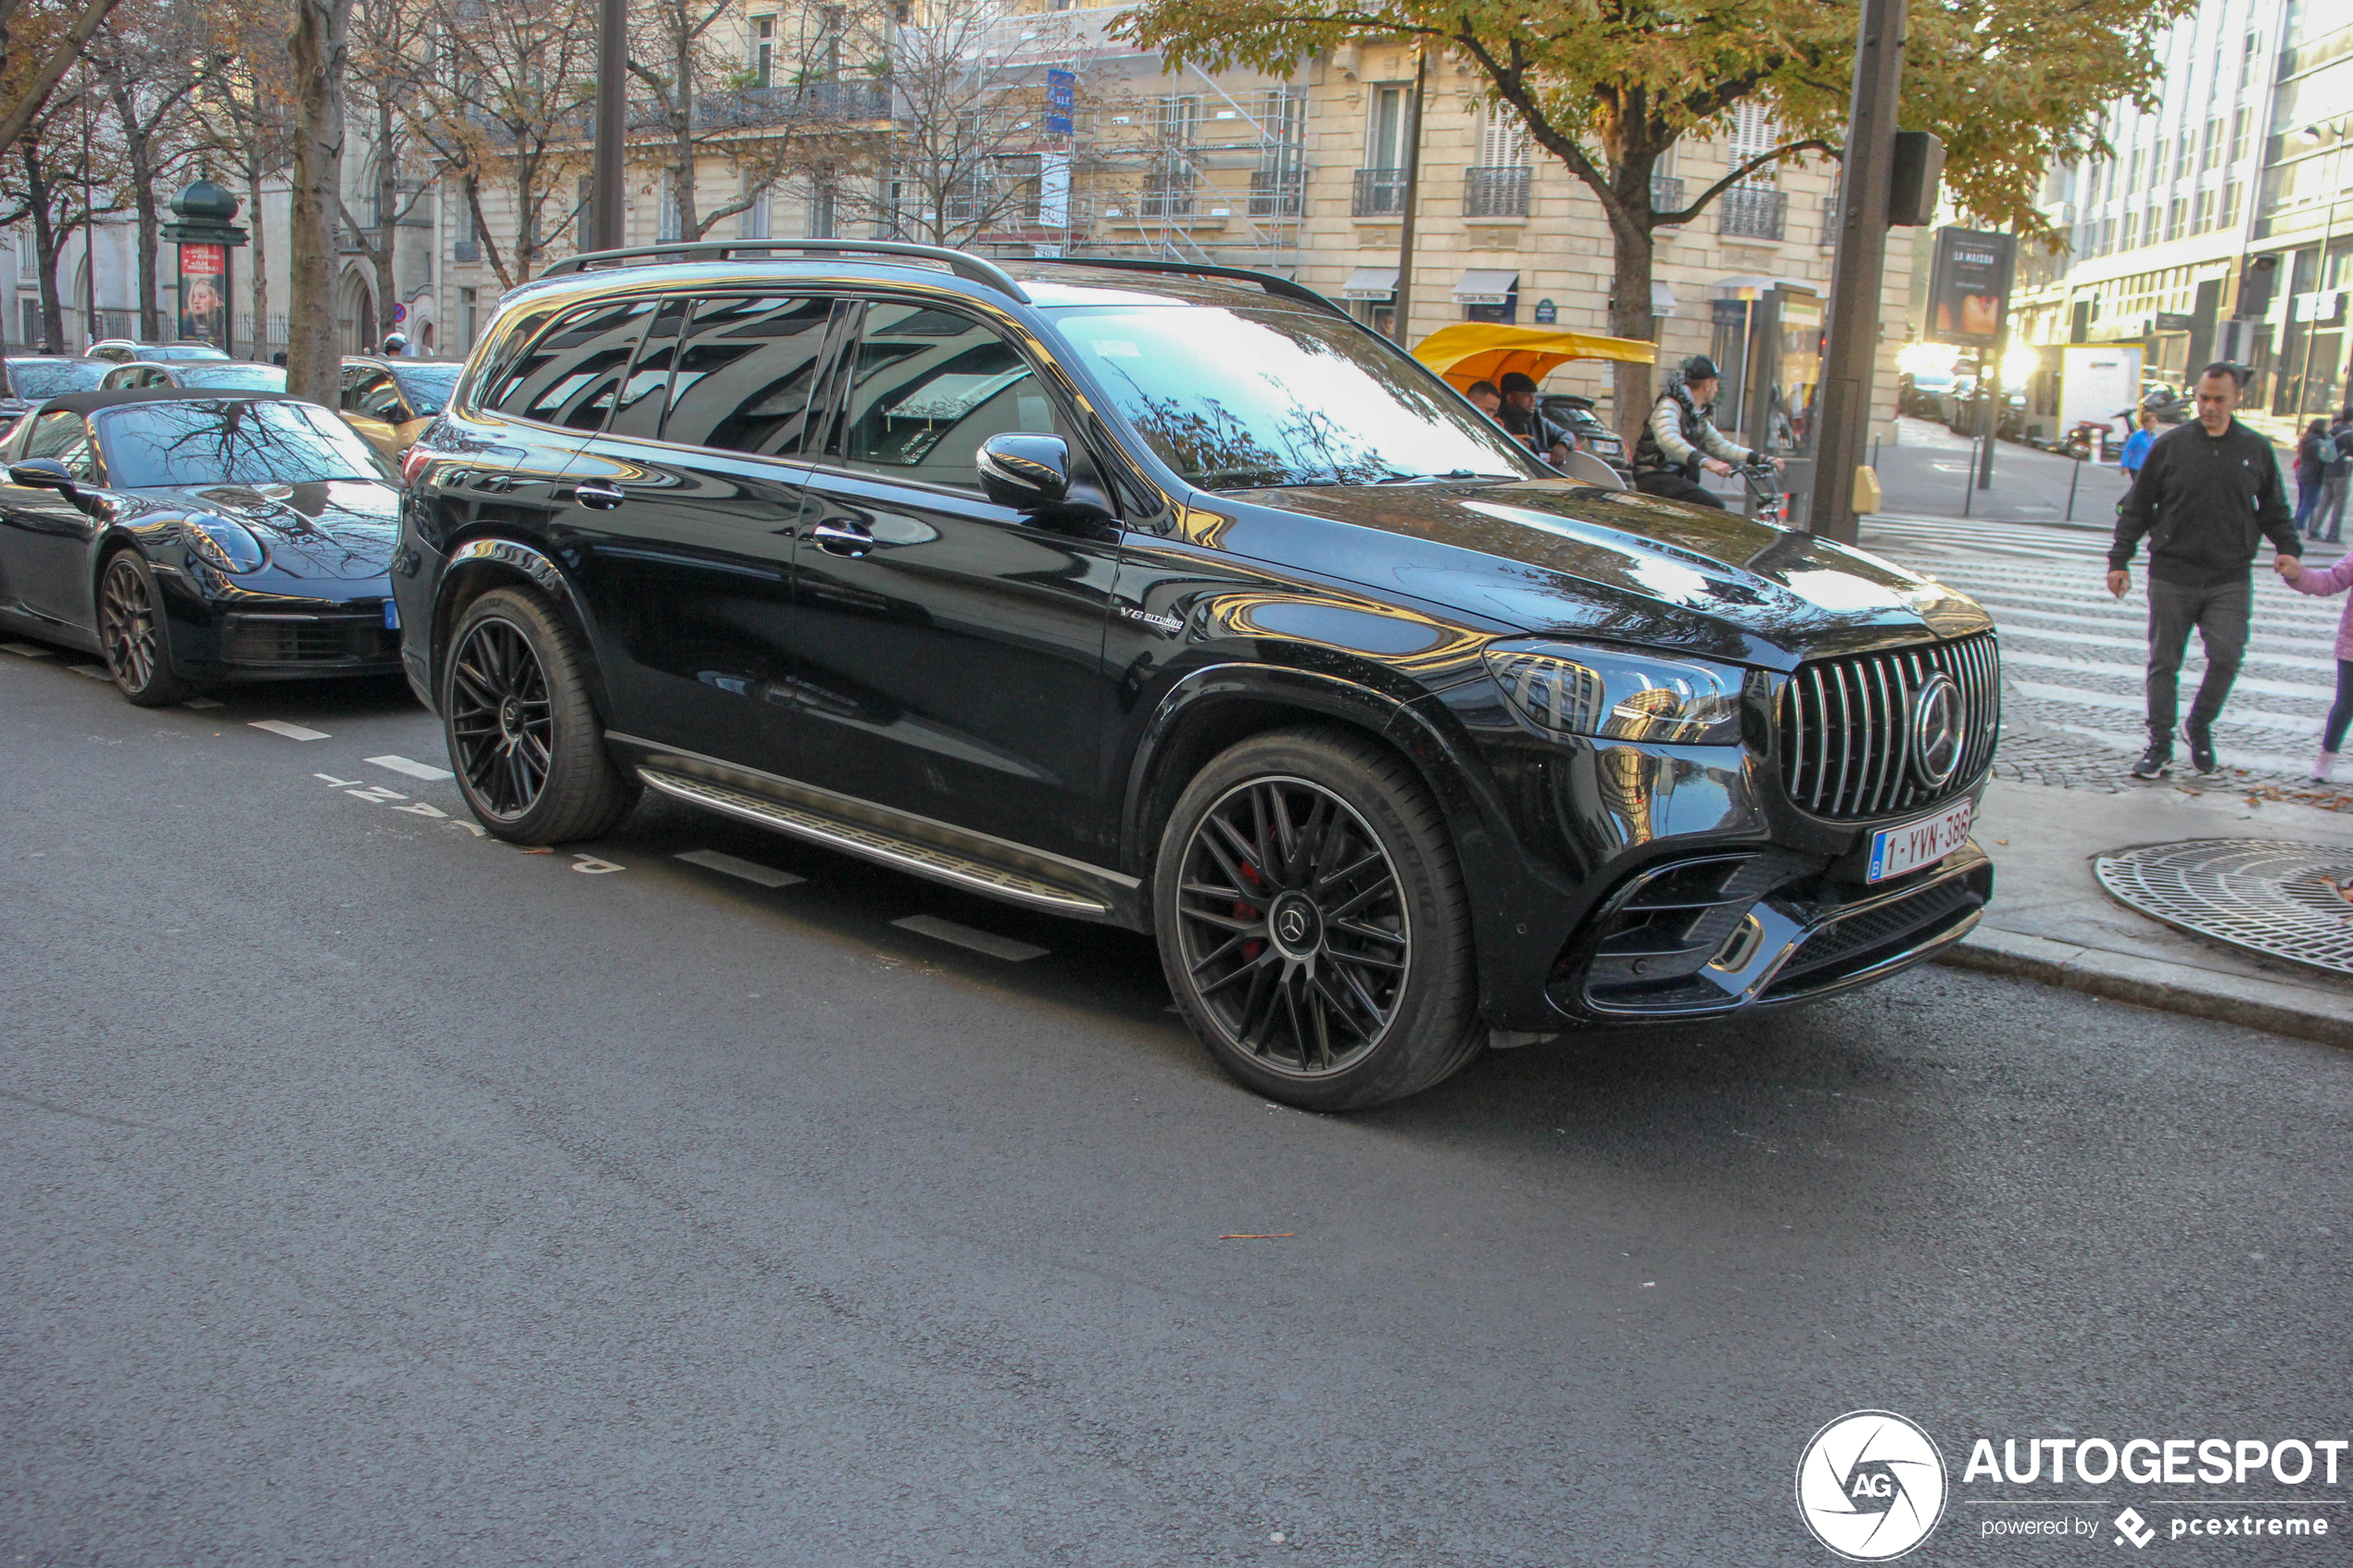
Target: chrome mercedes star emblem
x: 1936, y: 730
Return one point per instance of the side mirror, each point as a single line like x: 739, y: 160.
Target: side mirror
x: 1027, y: 473
x: 41, y: 474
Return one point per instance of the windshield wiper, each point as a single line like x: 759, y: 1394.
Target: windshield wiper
x: 1424, y: 478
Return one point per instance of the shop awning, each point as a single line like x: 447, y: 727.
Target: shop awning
x: 1485, y: 285
x: 1370, y: 283
x: 1464, y: 352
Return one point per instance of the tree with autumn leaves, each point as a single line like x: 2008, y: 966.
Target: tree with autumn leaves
x: 1608, y: 86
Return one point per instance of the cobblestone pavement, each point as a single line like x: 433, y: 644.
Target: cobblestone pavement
x: 2073, y: 659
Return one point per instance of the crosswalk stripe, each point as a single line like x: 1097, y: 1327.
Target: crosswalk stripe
x: 2237, y: 714
x: 2012, y: 656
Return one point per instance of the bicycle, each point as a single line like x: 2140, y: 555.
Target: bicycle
x: 1766, y: 500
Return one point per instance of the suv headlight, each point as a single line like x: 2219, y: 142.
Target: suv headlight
x: 1620, y: 695
x: 223, y: 544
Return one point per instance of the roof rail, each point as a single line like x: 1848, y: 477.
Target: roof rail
x: 1271, y: 283
x: 971, y: 268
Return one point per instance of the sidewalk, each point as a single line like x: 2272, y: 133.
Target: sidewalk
x: 2051, y: 921
x: 1925, y: 474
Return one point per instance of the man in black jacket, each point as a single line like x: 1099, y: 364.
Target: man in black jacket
x: 2207, y: 497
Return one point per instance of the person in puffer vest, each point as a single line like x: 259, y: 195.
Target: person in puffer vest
x: 1677, y: 442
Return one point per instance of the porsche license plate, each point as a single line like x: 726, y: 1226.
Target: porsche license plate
x: 1923, y: 843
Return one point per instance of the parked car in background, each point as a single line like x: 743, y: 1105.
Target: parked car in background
x: 1922, y: 393
x: 32, y: 377
x: 390, y: 400
x: 122, y: 350
x: 1175, y: 598
x: 1576, y: 415
x: 191, y: 537
x: 227, y: 375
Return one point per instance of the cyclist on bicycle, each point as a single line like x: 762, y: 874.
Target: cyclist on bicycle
x: 1678, y: 441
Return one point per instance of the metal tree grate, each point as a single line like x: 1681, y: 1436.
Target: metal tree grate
x: 2292, y: 901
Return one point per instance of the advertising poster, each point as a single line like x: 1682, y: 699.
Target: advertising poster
x: 1970, y: 290
x: 204, y: 293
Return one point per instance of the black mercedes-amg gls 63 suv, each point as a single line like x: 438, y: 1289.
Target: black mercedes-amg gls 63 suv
x: 1171, y: 597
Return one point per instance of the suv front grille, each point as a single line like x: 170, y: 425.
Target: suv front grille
x: 1846, y: 726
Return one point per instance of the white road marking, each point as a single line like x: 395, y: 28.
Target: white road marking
x: 474, y: 828
x: 419, y: 808
x: 376, y: 793
x: 26, y: 650
x: 750, y: 871
x: 95, y: 672
x: 414, y: 770
x: 292, y: 732
x: 986, y: 942
x: 593, y: 866
x: 203, y: 702
x: 339, y: 783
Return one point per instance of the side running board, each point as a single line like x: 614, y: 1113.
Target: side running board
x: 877, y: 844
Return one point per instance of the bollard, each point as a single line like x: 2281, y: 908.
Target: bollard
x: 1969, y: 485
x: 2071, y: 478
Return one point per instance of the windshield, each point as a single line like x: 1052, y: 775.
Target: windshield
x: 1244, y: 397
x: 427, y: 388
x: 210, y: 441
x: 182, y: 351
x: 54, y: 377
x: 244, y: 378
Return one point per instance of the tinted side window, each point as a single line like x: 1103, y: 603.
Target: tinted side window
x: 570, y: 375
x: 743, y: 371
x: 380, y: 399
x: 928, y: 387
x: 67, y: 438
x: 647, y: 392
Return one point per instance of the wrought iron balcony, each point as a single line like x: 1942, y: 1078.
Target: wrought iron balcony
x: 466, y: 251
x: 1748, y: 213
x: 1379, y: 193
x: 1498, y: 192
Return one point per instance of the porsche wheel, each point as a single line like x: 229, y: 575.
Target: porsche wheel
x: 132, y: 633
x: 1312, y: 924
x: 523, y: 735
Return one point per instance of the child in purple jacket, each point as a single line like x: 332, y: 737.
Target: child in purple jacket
x: 2331, y: 580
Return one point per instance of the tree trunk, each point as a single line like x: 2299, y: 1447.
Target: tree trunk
x: 1634, y: 246
x: 387, y: 214
x: 260, y: 262
x: 681, y: 179
x: 142, y: 189
x: 319, y: 47
x: 46, y: 244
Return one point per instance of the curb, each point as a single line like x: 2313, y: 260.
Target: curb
x: 2282, y: 1008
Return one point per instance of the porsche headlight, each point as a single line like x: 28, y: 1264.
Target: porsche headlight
x: 222, y: 543
x: 1620, y: 695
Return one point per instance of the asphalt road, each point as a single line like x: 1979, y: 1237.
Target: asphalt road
x: 380, y: 1194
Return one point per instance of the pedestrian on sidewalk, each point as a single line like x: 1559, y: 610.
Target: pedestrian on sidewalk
x: 2137, y: 445
x: 2207, y: 497
x: 2314, y: 453
x: 2329, y: 580
x: 2332, y: 513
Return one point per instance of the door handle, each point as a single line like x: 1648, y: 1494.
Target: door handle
x: 603, y: 497
x: 841, y: 537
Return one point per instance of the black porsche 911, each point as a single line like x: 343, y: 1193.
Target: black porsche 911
x: 193, y: 538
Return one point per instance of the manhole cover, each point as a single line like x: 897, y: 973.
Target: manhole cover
x: 2292, y: 901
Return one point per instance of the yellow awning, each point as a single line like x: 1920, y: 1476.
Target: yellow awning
x: 1472, y: 351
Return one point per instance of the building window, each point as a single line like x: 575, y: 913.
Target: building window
x: 2174, y: 212
x: 1754, y: 134
x: 2184, y: 148
x: 469, y: 315
x: 825, y: 197
x: 2229, y: 204
x: 2213, y: 144
x: 27, y: 257
x: 752, y: 222
x: 1392, y: 111
x: 672, y: 228
x: 763, y: 51
x: 2133, y: 175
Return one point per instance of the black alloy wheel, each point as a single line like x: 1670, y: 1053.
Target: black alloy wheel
x: 1312, y: 924
x: 132, y: 633
x: 523, y: 735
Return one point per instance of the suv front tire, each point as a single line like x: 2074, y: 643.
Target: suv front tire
x: 1312, y: 924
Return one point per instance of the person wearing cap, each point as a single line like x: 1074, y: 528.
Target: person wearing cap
x: 1522, y: 418
x: 1679, y: 442
x: 395, y: 345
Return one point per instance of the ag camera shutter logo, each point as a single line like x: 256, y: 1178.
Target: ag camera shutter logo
x: 1870, y: 1485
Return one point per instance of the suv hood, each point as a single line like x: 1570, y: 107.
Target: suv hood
x: 1550, y: 557
x: 338, y: 528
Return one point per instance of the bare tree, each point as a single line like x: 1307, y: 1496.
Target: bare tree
x: 968, y: 79
x: 247, y: 116
x: 38, y: 42
x: 151, y: 59
x: 45, y: 178
x: 320, y: 46
x: 504, y: 110
x: 800, y: 93
x: 390, y: 44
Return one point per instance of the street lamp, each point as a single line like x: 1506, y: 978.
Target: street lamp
x: 2313, y: 135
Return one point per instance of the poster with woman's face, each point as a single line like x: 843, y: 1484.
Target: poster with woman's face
x: 204, y: 294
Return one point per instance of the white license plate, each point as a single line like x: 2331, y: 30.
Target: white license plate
x: 1908, y: 848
